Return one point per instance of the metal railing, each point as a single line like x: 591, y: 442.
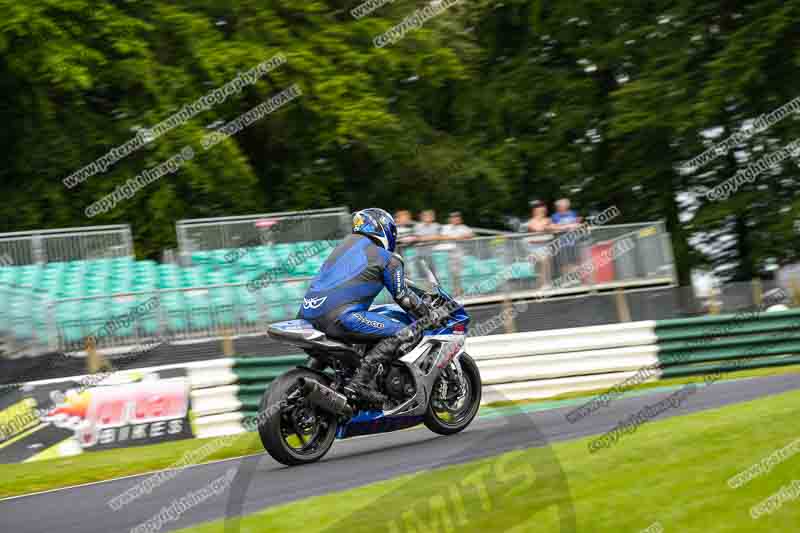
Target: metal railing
x: 197, y: 235
x: 124, y: 319
x: 231, y: 310
x: 544, y: 263
x: 68, y: 244
x: 25, y: 325
x: 483, y: 269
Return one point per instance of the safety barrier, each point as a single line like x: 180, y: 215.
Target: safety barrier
x: 204, y: 234
x: 718, y: 343
x: 67, y: 244
x: 265, y: 270
x: 545, y: 364
x: 225, y: 392
x: 580, y: 259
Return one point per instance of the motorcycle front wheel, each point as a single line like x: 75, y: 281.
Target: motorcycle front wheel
x: 453, y: 405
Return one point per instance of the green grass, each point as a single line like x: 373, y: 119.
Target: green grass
x: 36, y: 476
x: 673, y: 472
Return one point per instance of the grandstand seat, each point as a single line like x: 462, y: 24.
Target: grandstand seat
x: 193, y: 277
x: 522, y: 270
x: 222, y: 305
x: 148, y: 322
x: 248, y: 304
x: 197, y: 304
x: 274, y: 300
x: 68, y: 321
x: 172, y: 303
x: 94, y: 314
x: 215, y: 277
x: 294, y: 292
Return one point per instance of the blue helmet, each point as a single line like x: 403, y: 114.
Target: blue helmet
x: 377, y: 224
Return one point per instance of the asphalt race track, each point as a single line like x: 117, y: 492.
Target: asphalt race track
x: 350, y: 464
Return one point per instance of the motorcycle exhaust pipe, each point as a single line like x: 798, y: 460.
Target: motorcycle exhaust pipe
x: 325, y: 398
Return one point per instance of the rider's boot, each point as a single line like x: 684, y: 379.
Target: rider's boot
x: 363, y: 382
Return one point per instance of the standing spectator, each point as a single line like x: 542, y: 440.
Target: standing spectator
x: 564, y: 220
x: 541, y: 225
x: 565, y: 217
x: 426, y: 231
x: 455, y: 230
x: 405, y: 228
x: 539, y: 221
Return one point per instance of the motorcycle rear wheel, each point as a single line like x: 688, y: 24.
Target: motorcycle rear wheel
x: 294, y: 434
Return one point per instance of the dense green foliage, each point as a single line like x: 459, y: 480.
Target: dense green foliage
x: 487, y: 105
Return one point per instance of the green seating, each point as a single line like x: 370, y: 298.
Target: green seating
x: 222, y: 301
x: 248, y: 304
x: 173, y: 306
x: 148, y: 321
x: 222, y: 306
x: 522, y: 270
x: 94, y: 315
x: 197, y: 303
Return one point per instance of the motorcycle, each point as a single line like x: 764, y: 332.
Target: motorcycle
x: 436, y: 384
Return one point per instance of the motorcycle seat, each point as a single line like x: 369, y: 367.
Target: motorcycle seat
x: 302, y: 333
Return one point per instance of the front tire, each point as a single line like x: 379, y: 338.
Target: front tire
x: 447, y: 418
x: 284, y: 433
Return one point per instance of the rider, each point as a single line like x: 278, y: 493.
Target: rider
x: 339, y: 298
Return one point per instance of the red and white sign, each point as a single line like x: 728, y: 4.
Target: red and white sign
x: 150, y: 408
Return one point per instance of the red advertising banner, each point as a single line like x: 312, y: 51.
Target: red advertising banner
x: 67, y: 417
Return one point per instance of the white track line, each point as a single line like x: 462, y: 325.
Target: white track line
x: 151, y: 472
x: 148, y: 473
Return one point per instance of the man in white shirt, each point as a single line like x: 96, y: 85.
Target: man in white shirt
x: 427, y: 229
x: 455, y: 230
x: 426, y: 232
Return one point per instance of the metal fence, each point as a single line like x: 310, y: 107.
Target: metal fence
x: 480, y: 270
x: 25, y: 328
x: 197, y: 235
x: 69, y: 244
x: 591, y: 258
x: 177, y: 314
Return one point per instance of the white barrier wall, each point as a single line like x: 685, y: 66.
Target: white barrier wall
x: 561, y: 341
x: 513, y: 367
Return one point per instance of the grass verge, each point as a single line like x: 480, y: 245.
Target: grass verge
x: 37, y: 476
x: 673, y: 472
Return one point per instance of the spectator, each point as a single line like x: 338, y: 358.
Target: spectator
x: 455, y: 230
x: 405, y: 228
x: 541, y: 225
x: 539, y: 221
x: 565, y: 219
x: 426, y: 231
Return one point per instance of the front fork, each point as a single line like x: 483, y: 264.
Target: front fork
x: 453, y: 373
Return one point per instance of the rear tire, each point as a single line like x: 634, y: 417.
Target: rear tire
x: 473, y: 376
x: 273, y: 427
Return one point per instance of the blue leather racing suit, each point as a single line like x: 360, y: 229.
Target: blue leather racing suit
x: 339, y: 297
